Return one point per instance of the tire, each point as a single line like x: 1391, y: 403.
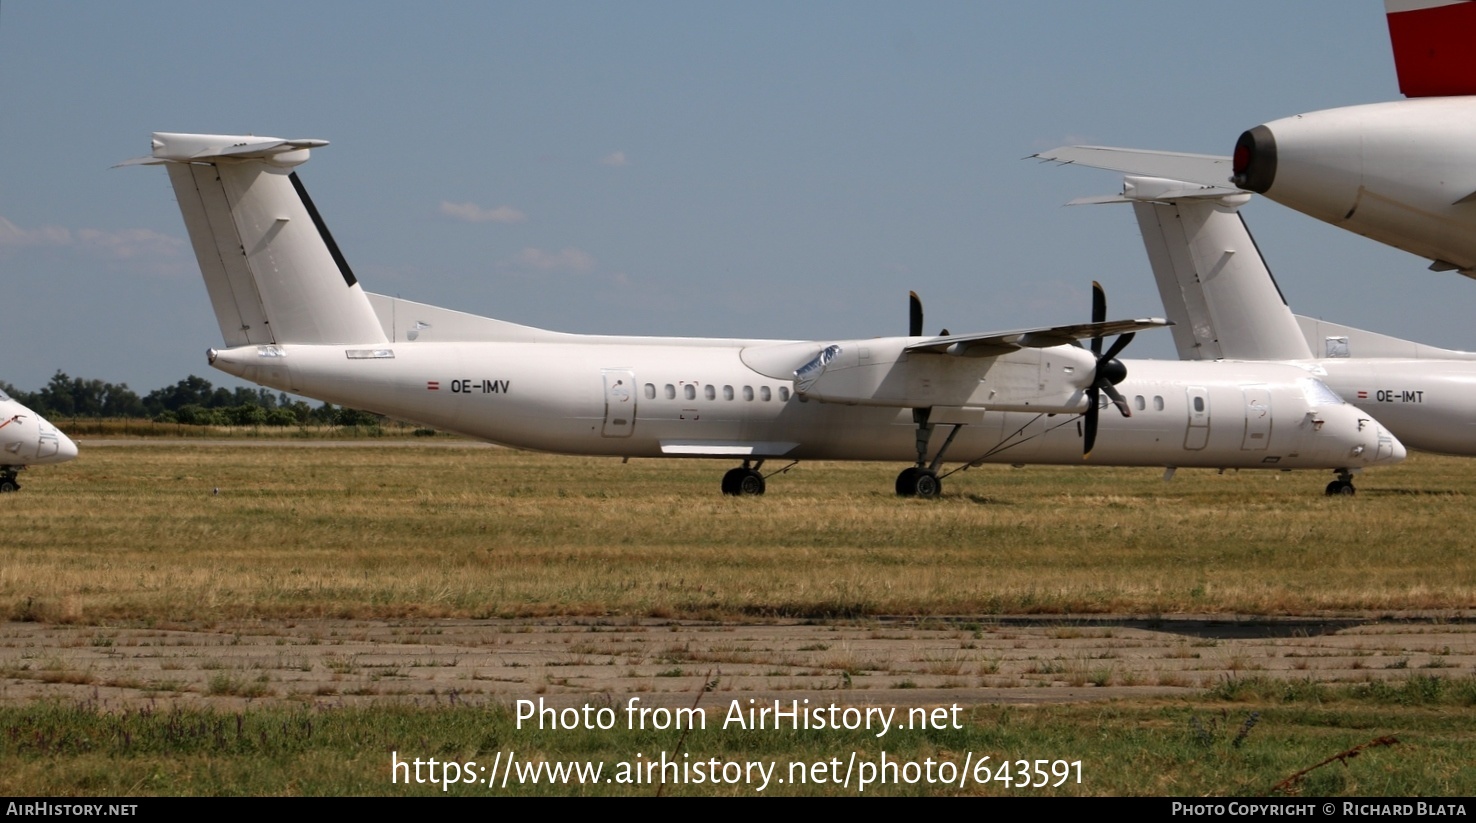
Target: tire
x: 927, y: 485
x: 750, y: 483
x: 907, y: 483
x: 8, y: 485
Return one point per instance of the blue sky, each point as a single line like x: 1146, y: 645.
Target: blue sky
x: 760, y: 169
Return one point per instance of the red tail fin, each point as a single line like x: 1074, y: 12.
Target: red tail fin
x: 1434, y: 46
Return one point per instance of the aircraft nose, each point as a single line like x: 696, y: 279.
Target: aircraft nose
x: 1390, y: 450
x: 66, y: 448
x: 1379, y: 446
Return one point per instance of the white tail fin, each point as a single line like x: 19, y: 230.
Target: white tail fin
x: 272, y: 269
x: 1213, y: 281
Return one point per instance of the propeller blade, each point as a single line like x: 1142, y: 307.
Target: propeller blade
x: 915, y: 315
x: 1118, y: 345
x: 1099, y: 313
x: 1118, y: 400
x: 1090, y: 431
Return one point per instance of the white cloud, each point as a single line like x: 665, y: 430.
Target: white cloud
x: 15, y: 237
x: 130, y: 244
x: 615, y: 158
x: 472, y: 213
x: 569, y: 260
x: 145, y: 247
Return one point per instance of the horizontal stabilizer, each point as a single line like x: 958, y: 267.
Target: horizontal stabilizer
x: 994, y: 343
x: 1203, y: 169
x: 1159, y: 190
x: 169, y: 147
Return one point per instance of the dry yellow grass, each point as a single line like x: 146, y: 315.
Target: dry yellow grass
x: 138, y: 533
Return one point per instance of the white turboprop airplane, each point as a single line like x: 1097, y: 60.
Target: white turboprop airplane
x: 1401, y: 172
x: 295, y: 318
x: 1225, y: 304
x: 26, y: 439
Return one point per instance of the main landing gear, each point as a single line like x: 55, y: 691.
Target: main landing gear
x: 745, y: 480
x: 1343, y: 485
x: 922, y: 480
x: 918, y: 482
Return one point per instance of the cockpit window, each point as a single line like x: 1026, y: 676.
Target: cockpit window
x: 1318, y: 393
x: 4, y: 396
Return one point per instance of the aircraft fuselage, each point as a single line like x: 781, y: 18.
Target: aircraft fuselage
x: 651, y: 399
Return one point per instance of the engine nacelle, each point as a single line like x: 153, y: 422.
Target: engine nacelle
x: 879, y: 373
x: 1402, y: 173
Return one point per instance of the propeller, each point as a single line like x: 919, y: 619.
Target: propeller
x: 915, y: 316
x: 1108, y: 373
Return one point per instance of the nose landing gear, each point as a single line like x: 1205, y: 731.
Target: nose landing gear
x: 1342, y: 486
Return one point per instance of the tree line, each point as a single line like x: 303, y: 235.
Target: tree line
x: 192, y: 401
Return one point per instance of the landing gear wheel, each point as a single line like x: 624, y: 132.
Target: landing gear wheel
x: 8, y: 485
x: 915, y: 482
x: 743, y: 482
x: 927, y: 485
x: 1341, y: 487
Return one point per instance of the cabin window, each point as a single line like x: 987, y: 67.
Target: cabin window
x: 1139, y: 403
x: 670, y: 392
x: 727, y: 392
x: 783, y: 394
x: 650, y: 391
x: 1199, y: 404
x: 1158, y: 402
x: 748, y: 392
x: 709, y: 392
x: 689, y: 391
x: 764, y: 393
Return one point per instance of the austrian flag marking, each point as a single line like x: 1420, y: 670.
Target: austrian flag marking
x: 432, y: 385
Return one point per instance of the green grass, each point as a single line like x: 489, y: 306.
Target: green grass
x: 140, y: 533
x: 173, y: 533
x: 1413, y: 739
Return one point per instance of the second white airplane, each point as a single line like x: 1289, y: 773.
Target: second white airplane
x: 27, y: 439
x: 295, y: 318
x: 1219, y: 291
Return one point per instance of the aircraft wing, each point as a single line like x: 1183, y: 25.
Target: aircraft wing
x: 995, y: 343
x: 1204, y: 169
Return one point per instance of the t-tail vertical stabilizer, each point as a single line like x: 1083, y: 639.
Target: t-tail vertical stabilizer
x: 1215, y: 286
x: 274, y: 273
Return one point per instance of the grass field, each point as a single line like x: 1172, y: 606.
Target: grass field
x: 169, y: 535
x: 196, y: 533
x: 1250, y: 740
